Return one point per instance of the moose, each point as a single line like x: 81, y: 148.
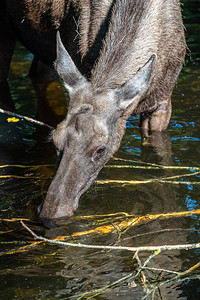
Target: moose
x: 115, y: 58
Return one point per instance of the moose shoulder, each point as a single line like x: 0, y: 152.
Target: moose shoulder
x: 116, y: 58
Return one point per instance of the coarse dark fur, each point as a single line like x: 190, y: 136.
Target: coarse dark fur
x: 119, y: 57
x: 127, y: 45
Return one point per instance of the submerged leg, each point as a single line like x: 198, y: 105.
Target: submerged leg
x: 40, y: 72
x: 160, y: 143
x: 157, y: 120
x: 42, y: 77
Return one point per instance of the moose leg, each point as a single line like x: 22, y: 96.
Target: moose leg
x: 39, y: 71
x: 6, y: 52
x: 7, y: 42
x: 42, y: 76
x: 157, y: 120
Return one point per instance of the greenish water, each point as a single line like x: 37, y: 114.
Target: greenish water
x: 46, y: 271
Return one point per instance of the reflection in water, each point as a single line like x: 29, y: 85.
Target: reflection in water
x: 50, y: 272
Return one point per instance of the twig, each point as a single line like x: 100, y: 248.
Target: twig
x: 151, y: 167
x: 177, y: 277
x: 21, y: 249
x: 136, y: 256
x: 154, y: 165
x: 25, y: 166
x: 159, y: 231
x: 22, y: 177
x: 133, y: 249
x: 122, y: 226
x: 156, y: 249
x: 164, y: 179
x: 160, y: 270
x: 13, y: 242
x: 155, y: 253
x: 9, y: 113
x: 113, y: 284
x: 103, y: 289
x: 14, y: 219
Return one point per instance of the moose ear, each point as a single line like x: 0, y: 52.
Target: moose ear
x: 67, y: 69
x: 132, y: 90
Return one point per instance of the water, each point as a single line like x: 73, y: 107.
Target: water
x: 45, y: 271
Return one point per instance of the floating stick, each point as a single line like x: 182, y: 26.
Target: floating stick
x: 9, y: 113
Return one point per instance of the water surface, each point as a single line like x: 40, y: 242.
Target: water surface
x: 45, y: 271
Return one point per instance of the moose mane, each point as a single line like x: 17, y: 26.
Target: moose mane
x: 128, y: 46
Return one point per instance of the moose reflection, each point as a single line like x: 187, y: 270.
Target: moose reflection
x: 116, y: 58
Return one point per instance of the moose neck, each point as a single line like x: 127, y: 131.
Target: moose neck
x: 122, y: 54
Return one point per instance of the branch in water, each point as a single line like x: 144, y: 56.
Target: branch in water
x: 25, y: 118
x: 133, y: 249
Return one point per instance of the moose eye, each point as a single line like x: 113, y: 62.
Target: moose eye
x: 101, y: 150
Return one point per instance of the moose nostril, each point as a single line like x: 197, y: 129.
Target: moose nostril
x: 50, y: 223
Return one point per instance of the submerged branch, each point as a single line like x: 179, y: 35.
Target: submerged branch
x: 123, y: 182
x: 162, y: 179
x: 150, y: 166
x: 94, y: 293
x: 178, y: 277
x: 142, y: 266
x: 22, y: 177
x: 25, y: 166
x: 133, y: 249
x: 121, y: 225
x: 157, y: 166
x: 25, y: 118
x: 14, y: 219
x: 133, y: 275
x: 21, y: 249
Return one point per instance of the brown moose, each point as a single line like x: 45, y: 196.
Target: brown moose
x: 116, y: 58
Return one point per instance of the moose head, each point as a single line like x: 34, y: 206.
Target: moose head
x: 90, y: 134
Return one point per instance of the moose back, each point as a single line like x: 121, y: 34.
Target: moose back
x: 116, y: 58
